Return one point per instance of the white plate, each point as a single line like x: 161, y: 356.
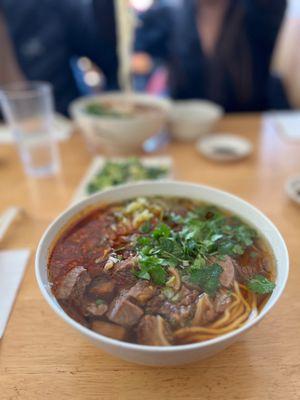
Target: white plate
x: 224, y: 147
x: 98, y: 163
x: 292, y: 188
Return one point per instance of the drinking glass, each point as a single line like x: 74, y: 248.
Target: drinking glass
x: 28, y: 110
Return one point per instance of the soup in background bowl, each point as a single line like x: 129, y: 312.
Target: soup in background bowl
x: 158, y: 278
x: 119, y: 122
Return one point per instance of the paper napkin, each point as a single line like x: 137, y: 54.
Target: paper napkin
x: 288, y: 124
x: 12, y: 267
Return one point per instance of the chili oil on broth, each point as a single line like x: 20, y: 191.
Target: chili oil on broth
x: 161, y: 271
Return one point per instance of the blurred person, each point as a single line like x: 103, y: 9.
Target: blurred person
x: 219, y: 50
x: 46, y: 34
x: 9, y: 68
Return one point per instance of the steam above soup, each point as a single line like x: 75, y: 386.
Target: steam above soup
x: 161, y: 271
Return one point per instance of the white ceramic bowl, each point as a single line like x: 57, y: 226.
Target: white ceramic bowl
x: 170, y: 355
x: 191, y: 119
x: 119, y: 135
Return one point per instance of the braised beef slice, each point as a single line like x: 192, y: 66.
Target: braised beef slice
x: 73, y: 284
x: 205, y: 311
x: 122, y: 272
x: 222, y: 300
x: 208, y: 309
x: 246, y: 272
x: 154, y: 331
x: 187, y: 295
x: 142, y: 291
x: 248, y: 266
x: 102, y: 288
x: 91, y: 309
x: 227, y: 276
x: 177, y: 313
x: 108, y: 329
x: 123, y: 312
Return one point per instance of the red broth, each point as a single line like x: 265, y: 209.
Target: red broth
x: 160, y: 271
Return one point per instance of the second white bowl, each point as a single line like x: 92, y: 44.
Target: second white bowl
x: 193, y: 118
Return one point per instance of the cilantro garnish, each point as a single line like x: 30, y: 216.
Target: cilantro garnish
x: 146, y: 227
x: 207, y: 277
x: 151, y: 267
x: 260, y: 284
x: 188, y: 243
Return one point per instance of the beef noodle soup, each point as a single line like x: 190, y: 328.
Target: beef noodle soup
x: 161, y: 271
x: 121, y: 109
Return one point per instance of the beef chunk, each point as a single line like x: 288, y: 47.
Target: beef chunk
x: 187, y: 296
x: 248, y: 266
x: 176, y: 314
x: 123, y: 312
x: 102, y: 288
x: 246, y: 272
x: 92, y: 309
x: 208, y: 309
x: 142, y: 291
x: 227, y: 276
x: 153, y: 331
x: 178, y: 310
x: 205, y: 311
x: 126, y: 265
x: 122, y: 271
x: 222, y: 300
x: 73, y: 284
x: 107, y: 329
x: 228, y: 264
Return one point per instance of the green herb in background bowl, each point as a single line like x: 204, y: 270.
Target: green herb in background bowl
x: 100, y: 110
x: 128, y: 170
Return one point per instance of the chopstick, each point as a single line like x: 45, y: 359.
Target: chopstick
x: 6, y: 220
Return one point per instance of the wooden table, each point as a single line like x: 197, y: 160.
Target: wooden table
x: 42, y: 358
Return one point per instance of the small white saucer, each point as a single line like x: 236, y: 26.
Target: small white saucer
x: 224, y: 147
x: 292, y: 188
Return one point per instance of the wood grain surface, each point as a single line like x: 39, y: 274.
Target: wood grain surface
x: 43, y: 358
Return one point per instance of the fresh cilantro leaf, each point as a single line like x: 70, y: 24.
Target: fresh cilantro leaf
x: 162, y: 230
x: 175, y: 218
x: 216, y: 237
x: 146, y: 227
x: 208, y: 278
x: 238, y: 249
x: 166, y: 244
x: 143, y: 274
x: 158, y: 274
x: 143, y: 241
x: 199, y: 262
x: 260, y: 284
x: 151, y: 267
x: 199, y: 235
